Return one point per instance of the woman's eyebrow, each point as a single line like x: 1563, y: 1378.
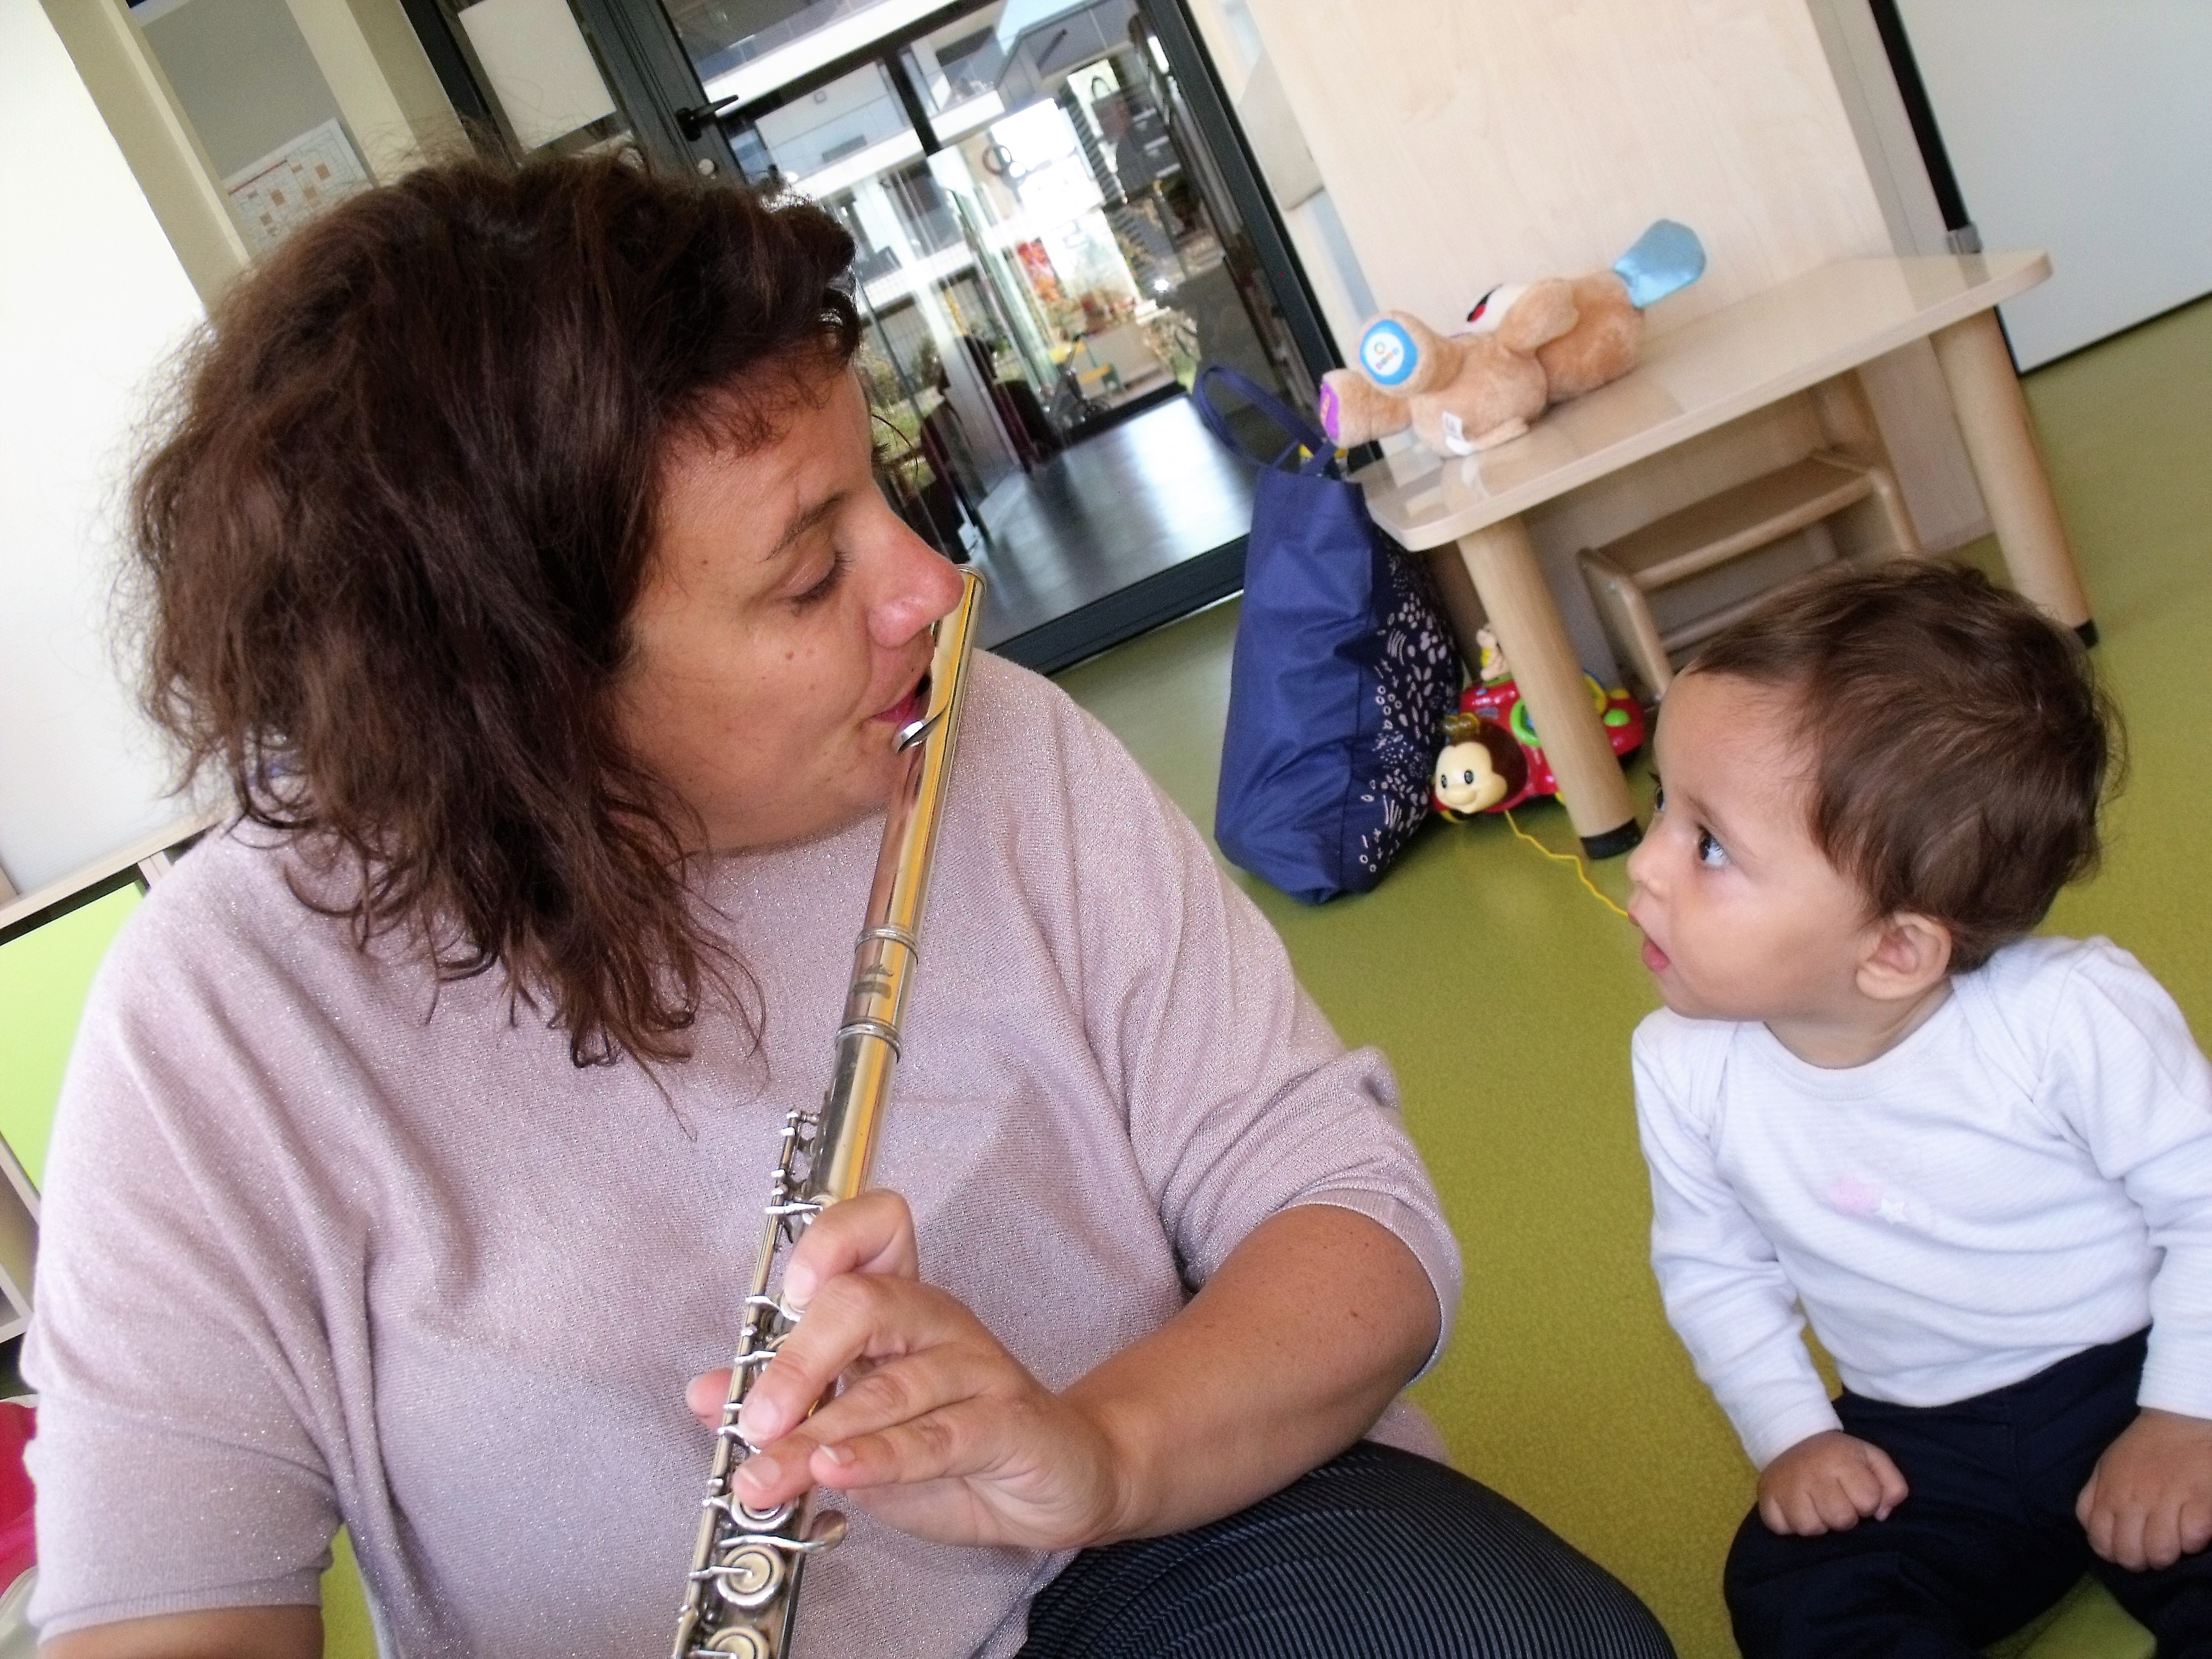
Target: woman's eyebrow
x: 802, y: 522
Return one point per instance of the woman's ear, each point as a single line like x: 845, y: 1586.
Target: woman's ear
x: 1905, y: 953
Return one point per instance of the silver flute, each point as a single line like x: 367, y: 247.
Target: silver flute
x: 742, y: 1594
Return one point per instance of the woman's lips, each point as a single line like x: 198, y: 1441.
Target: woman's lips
x: 907, y: 710
x: 1654, y: 958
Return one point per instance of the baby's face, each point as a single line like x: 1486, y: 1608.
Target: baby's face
x: 1743, y: 917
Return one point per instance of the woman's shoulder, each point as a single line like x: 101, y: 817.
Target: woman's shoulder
x: 1043, y: 746
x: 1019, y: 706
x: 238, y: 889
x: 246, y: 926
x: 1063, y: 800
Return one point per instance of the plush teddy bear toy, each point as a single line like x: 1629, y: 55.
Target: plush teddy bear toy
x: 1527, y: 345
x: 1459, y: 393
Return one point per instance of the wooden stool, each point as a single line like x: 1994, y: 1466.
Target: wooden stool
x: 1801, y: 496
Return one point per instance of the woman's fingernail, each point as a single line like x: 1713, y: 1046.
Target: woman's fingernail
x: 798, y: 1285
x: 760, y: 1472
x: 759, y: 1422
x: 840, y: 1455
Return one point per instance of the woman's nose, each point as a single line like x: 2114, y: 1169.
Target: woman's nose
x: 923, y: 585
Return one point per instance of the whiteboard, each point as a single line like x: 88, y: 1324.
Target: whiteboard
x: 2085, y: 130
x: 92, y: 300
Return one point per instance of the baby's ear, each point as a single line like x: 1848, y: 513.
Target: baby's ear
x: 1905, y: 954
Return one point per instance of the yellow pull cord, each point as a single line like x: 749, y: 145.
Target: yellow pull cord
x: 1581, y: 874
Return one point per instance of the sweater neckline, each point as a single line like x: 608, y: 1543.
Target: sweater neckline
x: 1870, y: 1076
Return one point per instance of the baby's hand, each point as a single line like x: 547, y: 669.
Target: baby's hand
x: 2149, y: 1502
x: 1825, y: 1482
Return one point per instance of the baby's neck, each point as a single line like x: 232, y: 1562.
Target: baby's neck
x: 1854, y: 1035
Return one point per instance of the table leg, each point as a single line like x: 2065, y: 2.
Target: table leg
x: 1462, y: 604
x: 1511, y: 584
x: 2001, y: 443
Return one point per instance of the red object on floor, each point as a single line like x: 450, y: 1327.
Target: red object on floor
x: 1499, y: 700
x: 19, y: 1549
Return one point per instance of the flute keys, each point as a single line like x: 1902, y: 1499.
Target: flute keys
x: 742, y: 1640
x: 748, y: 1576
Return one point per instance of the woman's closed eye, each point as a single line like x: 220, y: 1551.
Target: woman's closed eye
x: 824, y: 588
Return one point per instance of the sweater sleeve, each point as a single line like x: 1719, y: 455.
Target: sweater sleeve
x: 169, y: 1411
x: 1241, y: 1100
x: 1724, y: 1289
x: 2122, y: 1067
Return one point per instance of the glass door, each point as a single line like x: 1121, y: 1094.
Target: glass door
x: 1045, y: 255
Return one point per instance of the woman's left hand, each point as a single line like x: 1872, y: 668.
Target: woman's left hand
x: 939, y: 1430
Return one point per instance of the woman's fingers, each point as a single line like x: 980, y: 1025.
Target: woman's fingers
x: 707, y: 1394
x: 908, y: 1388
x: 872, y: 1233
x: 897, y: 1395
x: 966, y: 1438
x: 851, y: 1317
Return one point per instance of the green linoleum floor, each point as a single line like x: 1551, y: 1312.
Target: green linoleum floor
x: 1504, y: 995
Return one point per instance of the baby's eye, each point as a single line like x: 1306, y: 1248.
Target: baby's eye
x: 1710, y: 853
x: 1659, y: 799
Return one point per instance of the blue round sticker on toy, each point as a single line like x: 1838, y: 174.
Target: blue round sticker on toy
x: 1387, y: 353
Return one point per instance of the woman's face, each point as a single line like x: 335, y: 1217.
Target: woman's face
x: 782, y: 631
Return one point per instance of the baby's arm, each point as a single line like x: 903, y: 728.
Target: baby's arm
x: 2124, y: 1068
x: 1736, y: 1312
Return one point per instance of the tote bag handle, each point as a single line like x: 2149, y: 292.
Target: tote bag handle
x: 1301, y: 431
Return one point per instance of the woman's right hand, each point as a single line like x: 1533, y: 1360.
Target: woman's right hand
x: 1828, y: 1482
x: 938, y: 1429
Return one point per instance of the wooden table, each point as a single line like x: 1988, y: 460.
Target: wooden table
x: 1814, y: 328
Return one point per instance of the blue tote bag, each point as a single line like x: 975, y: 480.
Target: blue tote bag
x: 1343, y: 674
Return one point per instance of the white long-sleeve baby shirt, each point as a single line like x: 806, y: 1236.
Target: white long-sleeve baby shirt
x: 2028, y: 1175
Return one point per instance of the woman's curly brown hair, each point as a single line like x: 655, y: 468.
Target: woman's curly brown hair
x: 396, y: 526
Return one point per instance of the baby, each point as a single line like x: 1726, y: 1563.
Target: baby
x: 1981, y: 1164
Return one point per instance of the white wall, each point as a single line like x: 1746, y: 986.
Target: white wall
x: 1468, y: 142
x: 92, y: 299
x: 2086, y: 130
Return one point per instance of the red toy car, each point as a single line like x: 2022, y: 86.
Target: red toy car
x: 1500, y: 701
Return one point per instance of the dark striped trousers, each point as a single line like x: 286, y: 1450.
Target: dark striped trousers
x: 1377, y: 1555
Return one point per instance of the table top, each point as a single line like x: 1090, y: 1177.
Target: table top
x: 1702, y: 376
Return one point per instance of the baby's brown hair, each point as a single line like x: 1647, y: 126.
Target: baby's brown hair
x: 1961, y: 747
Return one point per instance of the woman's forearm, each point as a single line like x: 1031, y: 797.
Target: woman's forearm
x: 216, y: 1634
x: 1287, y: 1356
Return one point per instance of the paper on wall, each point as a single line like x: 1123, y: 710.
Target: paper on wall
x: 283, y: 190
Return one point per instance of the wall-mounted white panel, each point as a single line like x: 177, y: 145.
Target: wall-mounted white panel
x: 2085, y: 131
x: 92, y: 301
x: 540, y: 66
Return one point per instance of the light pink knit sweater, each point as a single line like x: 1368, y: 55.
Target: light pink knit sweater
x: 322, y: 1247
